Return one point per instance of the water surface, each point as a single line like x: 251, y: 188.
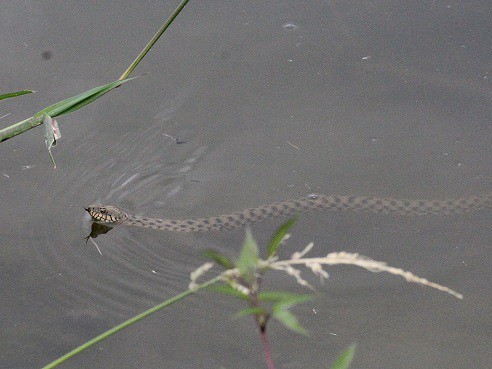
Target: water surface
x: 243, y: 104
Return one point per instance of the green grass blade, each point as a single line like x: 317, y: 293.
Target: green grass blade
x: 250, y: 311
x: 60, y: 108
x: 279, y: 236
x: 288, y: 319
x: 129, y: 322
x: 154, y: 40
x: 219, y: 258
x: 76, y: 102
x: 15, y: 94
x: 345, y: 359
x: 20, y: 127
x: 285, y: 299
x: 228, y: 290
x: 71, y: 104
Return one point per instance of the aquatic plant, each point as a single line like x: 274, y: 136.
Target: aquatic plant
x: 243, y: 279
x: 77, y: 102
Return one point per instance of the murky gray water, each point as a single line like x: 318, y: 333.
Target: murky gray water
x: 272, y: 101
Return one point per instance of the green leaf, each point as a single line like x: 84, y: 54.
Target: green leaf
x: 248, y: 260
x: 219, y: 258
x: 288, y: 319
x: 229, y: 290
x: 280, y: 309
x: 60, y: 108
x: 250, y: 311
x: 15, y: 94
x: 345, y: 359
x: 76, y: 102
x: 284, y: 299
x: 279, y: 236
x: 154, y: 39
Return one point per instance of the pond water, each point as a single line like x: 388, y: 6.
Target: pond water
x: 241, y: 104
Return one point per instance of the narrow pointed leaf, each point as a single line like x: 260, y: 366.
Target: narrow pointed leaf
x: 250, y: 311
x: 289, y: 320
x: 229, y: 290
x: 279, y: 236
x: 15, y: 94
x: 284, y: 299
x: 154, y: 39
x: 60, y: 108
x: 345, y: 359
x: 219, y: 258
x: 289, y: 302
x: 76, y: 102
x: 248, y: 260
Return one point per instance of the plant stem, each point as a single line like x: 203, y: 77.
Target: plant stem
x: 130, y: 322
x: 154, y: 40
x: 266, y: 347
x: 261, y: 321
x: 18, y: 128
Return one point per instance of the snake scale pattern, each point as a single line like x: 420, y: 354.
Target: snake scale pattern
x: 111, y: 215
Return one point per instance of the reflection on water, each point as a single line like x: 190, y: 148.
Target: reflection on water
x: 126, y: 270
x: 98, y: 229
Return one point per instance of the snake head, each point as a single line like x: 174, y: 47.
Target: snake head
x: 106, y: 213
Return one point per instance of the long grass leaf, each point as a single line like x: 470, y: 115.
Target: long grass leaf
x: 250, y: 311
x: 15, y: 94
x: 60, y: 108
x: 286, y: 299
x: 345, y: 359
x: 289, y: 320
x: 76, y: 102
x: 276, y: 241
x: 153, y: 40
x: 219, y: 258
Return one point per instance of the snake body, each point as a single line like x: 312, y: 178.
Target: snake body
x: 112, y: 215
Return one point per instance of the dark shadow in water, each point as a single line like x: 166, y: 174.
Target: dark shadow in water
x: 98, y: 229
